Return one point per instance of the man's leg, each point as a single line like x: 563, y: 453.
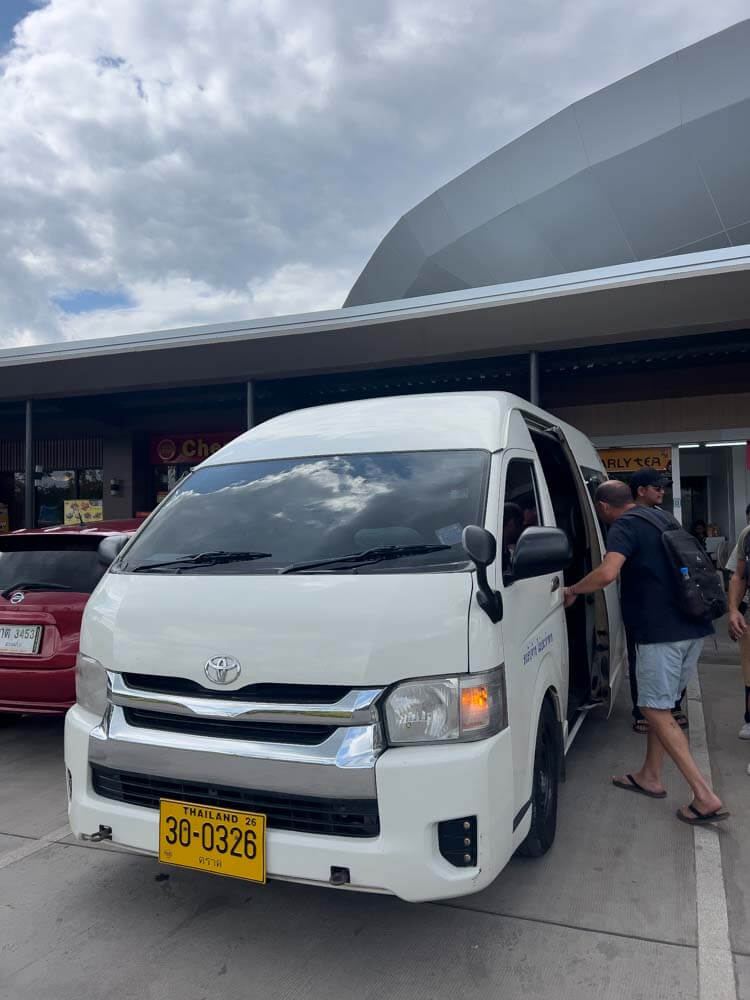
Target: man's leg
x: 649, y: 776
x: 663, y: 671
x: 675, y: 743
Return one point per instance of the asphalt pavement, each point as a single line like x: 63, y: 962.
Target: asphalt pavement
x: 610, y: 912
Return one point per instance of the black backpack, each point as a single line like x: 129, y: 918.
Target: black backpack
x: 700, y: 595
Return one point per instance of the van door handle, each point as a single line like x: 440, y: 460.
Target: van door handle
x: 555, y: 584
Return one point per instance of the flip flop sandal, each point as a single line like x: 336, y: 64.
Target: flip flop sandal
x: 631, y: 785
x: 640, y: 726
x: 700, y: 818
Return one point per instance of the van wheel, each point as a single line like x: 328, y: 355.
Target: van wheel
x: 544, y: 791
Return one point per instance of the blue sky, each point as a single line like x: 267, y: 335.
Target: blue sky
x: 85, y: 299
x: 11, y: 12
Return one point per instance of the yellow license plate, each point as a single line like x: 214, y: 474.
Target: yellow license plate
x: 221, y: 841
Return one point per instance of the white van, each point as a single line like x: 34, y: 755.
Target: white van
x: 314, y: 662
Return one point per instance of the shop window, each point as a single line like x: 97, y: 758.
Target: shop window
x: 694, y: 490
x: 76, y: 493
x: 52, y: 490
x: 90, y: 484
x: 166, y: 477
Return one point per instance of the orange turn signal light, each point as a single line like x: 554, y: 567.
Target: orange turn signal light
x: 475, y: 707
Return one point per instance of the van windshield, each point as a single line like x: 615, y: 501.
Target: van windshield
x: 269, y: 516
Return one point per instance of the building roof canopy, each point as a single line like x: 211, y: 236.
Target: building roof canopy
x: 652, y: 166
x: 690, y: 294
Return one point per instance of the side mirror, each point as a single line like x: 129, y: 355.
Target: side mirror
x: 481, y: 547
x: 540, y: 551
x: 110, y: 548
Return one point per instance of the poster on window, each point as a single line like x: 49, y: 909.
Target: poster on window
x: 83, y: 511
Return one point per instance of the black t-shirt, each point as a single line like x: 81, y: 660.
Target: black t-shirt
x: 649, y: 599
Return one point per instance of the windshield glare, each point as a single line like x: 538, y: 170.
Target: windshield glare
x: 305, y: 509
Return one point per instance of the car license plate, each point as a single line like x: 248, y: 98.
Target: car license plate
x: 20, y: 638
x: 222, y: 841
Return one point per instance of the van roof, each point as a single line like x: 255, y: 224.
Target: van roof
x: 432, y: 421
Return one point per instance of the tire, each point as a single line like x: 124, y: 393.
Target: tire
x: 544, y: 789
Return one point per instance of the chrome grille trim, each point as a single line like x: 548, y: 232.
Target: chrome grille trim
x: 357, y: 708
x: 342, y: 766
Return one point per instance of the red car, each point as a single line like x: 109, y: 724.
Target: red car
x: 46, y: 577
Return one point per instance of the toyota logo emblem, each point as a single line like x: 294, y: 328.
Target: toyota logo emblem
x: 17, y: 597
x: 222, y: 669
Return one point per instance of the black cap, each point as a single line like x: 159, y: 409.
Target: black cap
x: 648, y: 477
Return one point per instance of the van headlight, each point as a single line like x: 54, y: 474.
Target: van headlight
x: 91, y: 684
x: 447, y: 709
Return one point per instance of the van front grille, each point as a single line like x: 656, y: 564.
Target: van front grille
x: 303, y: 814
x: 281, y: 694
x: 265, y: 732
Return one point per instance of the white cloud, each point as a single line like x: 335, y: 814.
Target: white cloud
x: 224, y: 159
x: 180, y: 301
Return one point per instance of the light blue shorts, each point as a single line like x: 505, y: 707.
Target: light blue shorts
x: 663, y: 670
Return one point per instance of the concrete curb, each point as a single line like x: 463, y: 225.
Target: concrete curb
x: 716, y: 977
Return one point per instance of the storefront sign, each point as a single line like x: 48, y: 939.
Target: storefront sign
x: 4, y: 521
x: 622, y: 461
x: 82, y: 511
x: 186, y: 449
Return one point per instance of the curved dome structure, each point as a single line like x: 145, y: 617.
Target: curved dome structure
x: 654, y: 165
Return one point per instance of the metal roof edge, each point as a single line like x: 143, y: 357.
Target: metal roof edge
x: 617, y: 275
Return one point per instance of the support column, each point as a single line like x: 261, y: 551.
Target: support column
x: 28, y: 493
x: 534, y: 377
x: 676, y: 484
x: 250, y: 404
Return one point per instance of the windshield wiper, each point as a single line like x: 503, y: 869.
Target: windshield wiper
x: 368, y: 556
x: 201, y: 559
x: 37, y: 585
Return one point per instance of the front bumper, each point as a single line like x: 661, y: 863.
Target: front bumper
x: 37, y: 691
x: 417, y: 787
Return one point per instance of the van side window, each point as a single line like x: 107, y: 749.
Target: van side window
x: 521, y: 508
x: 593, y: 479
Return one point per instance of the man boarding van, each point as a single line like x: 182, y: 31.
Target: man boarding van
x: 337, y: 652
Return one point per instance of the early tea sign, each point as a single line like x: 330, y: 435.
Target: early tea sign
x: 622, y: 461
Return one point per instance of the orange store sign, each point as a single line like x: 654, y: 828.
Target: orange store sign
x: 186, y: 449
x: 619, y: 461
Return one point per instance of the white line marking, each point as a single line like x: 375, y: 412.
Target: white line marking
x: 715, y: 963
x: 33, y: 846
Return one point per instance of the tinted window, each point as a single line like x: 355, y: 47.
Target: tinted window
x: 521, y: 507
x: 305, y: 509
x: 593, y: 479
x: 62, y: 562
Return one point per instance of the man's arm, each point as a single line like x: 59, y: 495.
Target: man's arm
x: 737, y: 589
x: 600, y: 577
